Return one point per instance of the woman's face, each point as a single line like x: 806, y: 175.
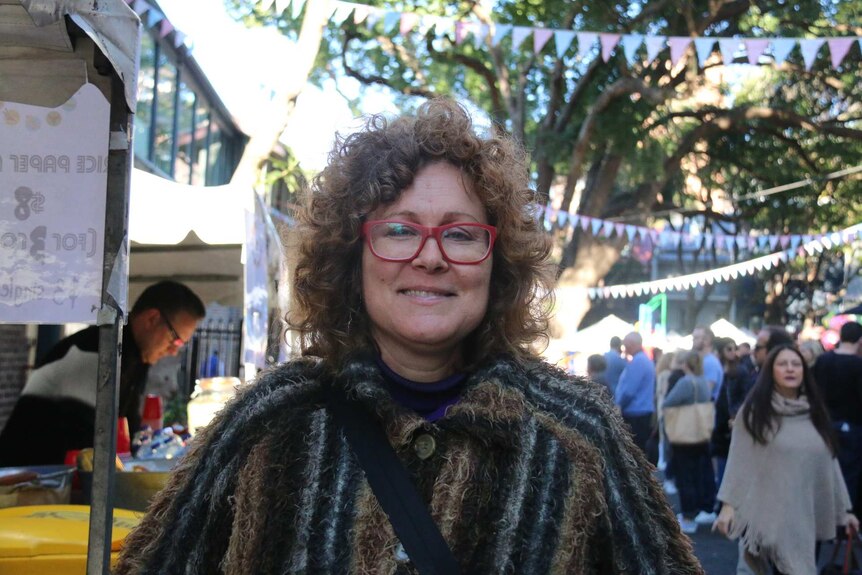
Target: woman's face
x: 728, y: 352
x: 787, y: 372
x: 427, y: 305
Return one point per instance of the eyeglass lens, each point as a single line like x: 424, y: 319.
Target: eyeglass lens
x: 463, y: 243
x: 177, y: 340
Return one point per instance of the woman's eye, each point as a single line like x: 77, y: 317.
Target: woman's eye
x: 400, y: 230
x: 459, y: 234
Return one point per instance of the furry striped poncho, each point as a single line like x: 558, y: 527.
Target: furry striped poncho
x: 532, y: 472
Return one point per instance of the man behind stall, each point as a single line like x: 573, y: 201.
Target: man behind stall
x: 56, y: 410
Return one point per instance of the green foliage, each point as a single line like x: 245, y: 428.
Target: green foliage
x: 758, y: 127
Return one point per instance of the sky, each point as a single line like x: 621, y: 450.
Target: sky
x: 239, y: 62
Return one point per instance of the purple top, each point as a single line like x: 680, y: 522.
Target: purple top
x: 430, y: 400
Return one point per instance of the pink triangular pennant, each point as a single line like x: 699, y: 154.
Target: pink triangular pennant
x: 784, y: 241
x: 585, y: 222
x: 408, y: 22
x: 165, y: 28
x: 540, y: 38
x: 461, y: 30
x: 608, y: 43
x: 838, y: 48
x: 619, y: 229
x: 654, y: 45
x: 755, y: 47
x: 519, y: 34
x: 678, y: 46
x: 809, y: 48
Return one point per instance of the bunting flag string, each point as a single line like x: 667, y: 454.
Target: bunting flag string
x: 741, y: 243
x: 751, y: 50
x: 726, y: 273
x: 154, y: 18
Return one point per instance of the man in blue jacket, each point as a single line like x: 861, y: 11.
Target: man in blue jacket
x: 635, y: 390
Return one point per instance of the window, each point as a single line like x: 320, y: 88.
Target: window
x: 181, y: 130
x: 165, y: 113
x: 144, y: 112
x: 185, y: 134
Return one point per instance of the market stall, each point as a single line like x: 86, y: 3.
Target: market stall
x: 68, y: 71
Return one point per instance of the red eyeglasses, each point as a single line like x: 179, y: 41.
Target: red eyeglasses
x: 464, y: 243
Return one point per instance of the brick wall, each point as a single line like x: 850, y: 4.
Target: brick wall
x: 14, y: 355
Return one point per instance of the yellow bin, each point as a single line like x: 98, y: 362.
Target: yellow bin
x: 52, y: 539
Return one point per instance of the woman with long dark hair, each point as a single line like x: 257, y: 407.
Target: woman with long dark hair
x: 782, y: 489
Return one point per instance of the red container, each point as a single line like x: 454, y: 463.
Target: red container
x: 153, y: 412
x: 124, y: 441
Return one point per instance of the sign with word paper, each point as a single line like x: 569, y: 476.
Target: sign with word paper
x: 53, y: 186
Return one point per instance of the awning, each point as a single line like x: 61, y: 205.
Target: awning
x: 164, y: 212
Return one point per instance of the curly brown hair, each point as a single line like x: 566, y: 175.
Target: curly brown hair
x: 372, y: 167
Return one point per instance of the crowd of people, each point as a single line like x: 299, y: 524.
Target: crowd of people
x: 779, y: 463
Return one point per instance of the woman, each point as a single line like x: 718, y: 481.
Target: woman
x: 730, y: 397
x: 783, y: 490
x: 420, y: 290
x: 691, y: 465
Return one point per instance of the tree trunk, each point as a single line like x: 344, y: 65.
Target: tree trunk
x: 266, y: 134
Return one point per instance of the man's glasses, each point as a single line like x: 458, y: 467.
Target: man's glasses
x: 177, y: 341
x: 460, y: 243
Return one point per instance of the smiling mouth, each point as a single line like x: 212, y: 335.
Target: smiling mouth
x: 425, y: 293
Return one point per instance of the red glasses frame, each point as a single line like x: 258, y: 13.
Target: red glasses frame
x: 428, y: 232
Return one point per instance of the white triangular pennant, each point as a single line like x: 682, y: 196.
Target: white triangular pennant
x: 654, y: 45
x: 500, y: 32
x: 728, y: 48
x: 586, y: 40
x: 781, y: 48
x: 519, y: 34
x: 342, y: 13
x: 390, y: 21
x: 703, y: 46
x: 562, y: 40
x: 810, y: 47
x: 631, y: 44
x: 296, y: 8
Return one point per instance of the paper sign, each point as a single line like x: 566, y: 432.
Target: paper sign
x: 53, y: 185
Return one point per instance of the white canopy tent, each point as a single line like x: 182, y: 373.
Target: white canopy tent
x: 188, y: 233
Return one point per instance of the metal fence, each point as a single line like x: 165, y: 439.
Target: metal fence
x: 213, y: 351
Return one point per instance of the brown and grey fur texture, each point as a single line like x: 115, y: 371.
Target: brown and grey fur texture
x: 533, y: 473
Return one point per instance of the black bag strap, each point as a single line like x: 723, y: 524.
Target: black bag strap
x: 392, y: 486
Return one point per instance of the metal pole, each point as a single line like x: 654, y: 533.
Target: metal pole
x: 110, y: 321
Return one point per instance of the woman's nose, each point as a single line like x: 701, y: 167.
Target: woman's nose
x: 430, y: 256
